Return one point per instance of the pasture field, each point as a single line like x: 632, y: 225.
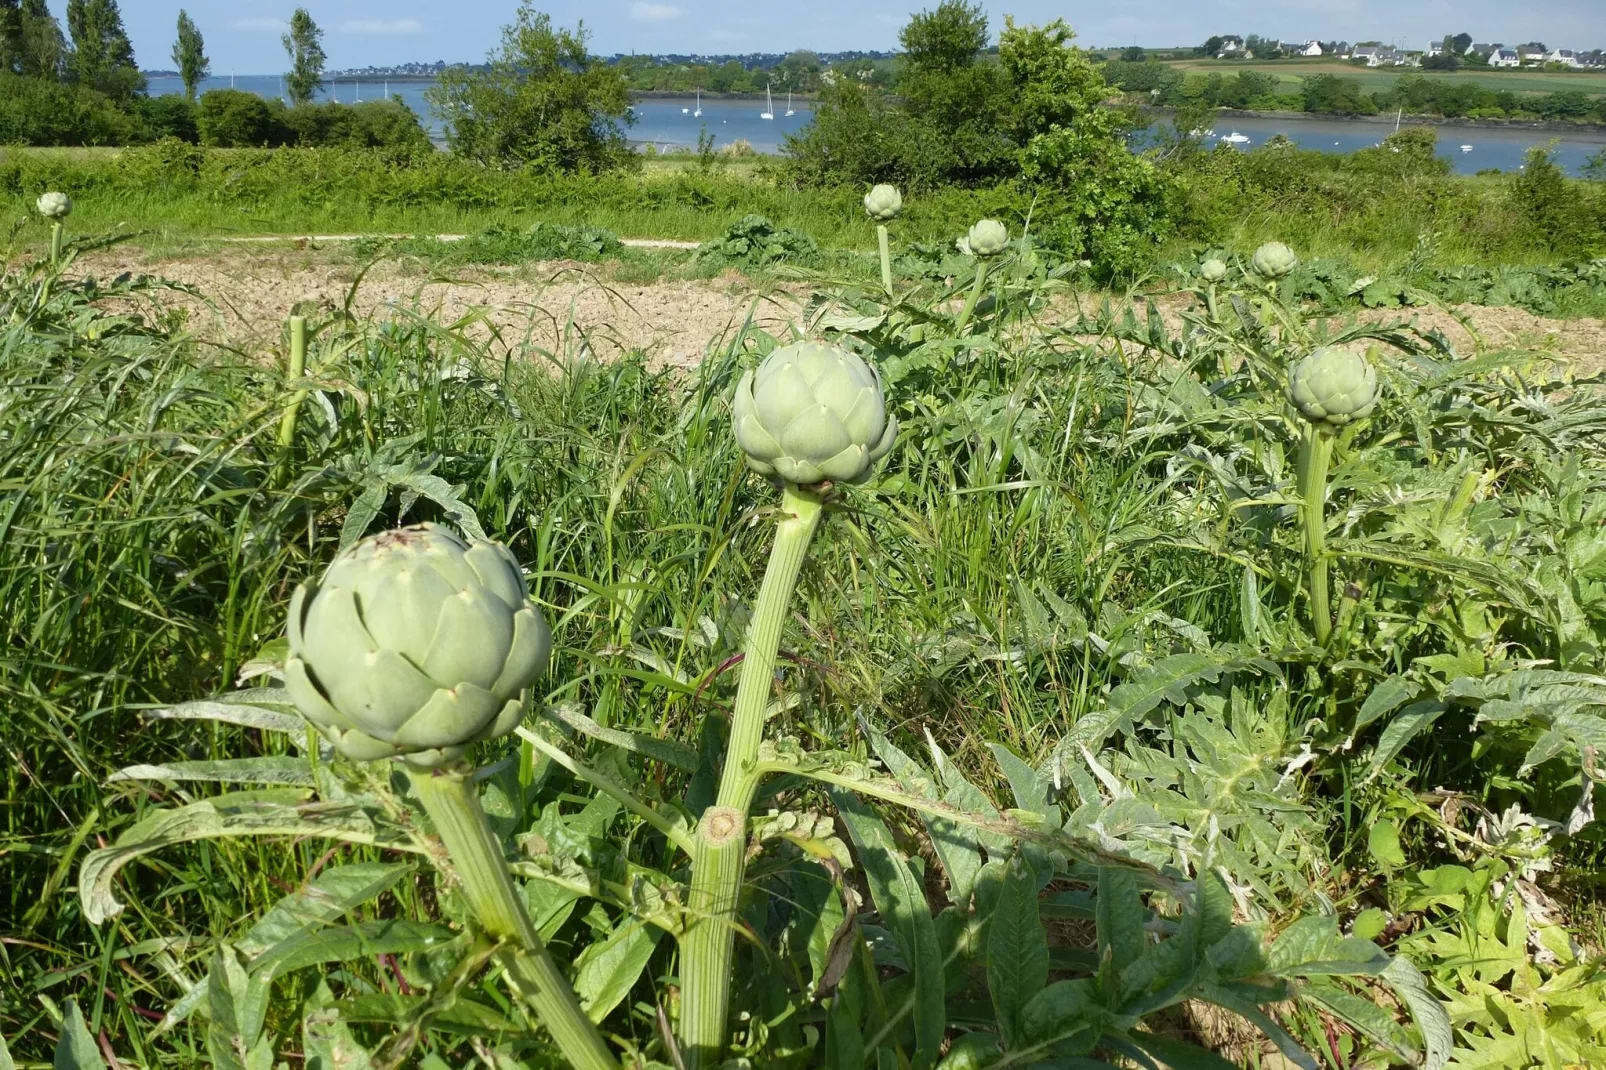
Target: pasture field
x: 1290, y: 72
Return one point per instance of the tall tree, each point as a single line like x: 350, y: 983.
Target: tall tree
x: 10, y: 36
x: 946, y: 38
x: 189, y: 52
x: 304, y: 43
x: 102, y: 56
x: 44, y: 48
x: 1462, y: 42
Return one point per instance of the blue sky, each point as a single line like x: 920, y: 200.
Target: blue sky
x: 245, y: 36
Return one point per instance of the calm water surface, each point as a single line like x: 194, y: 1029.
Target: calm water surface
x: 668, y: 123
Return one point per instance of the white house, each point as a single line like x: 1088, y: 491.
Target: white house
x: 1312, y: 48
x: 1230, y: 45
x: 1529, y: 54
x: 1564, y: 56
x: 1435, y: 48
x: 1505, y: 57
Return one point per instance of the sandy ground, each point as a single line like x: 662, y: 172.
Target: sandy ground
x: 248, y: 297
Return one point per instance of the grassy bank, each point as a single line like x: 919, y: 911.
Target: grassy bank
x: 1292, y: 71
x: 1084, y: 548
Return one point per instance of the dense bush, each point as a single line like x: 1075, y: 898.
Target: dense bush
x: 229, y: 118
x: 39, y: 111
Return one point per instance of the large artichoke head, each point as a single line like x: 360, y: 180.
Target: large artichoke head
x: 55, y: 206
x: 1333, y: 386
x: 1213, y: 270
x: 415, y: 644
x: 987, y: 238
x: 813, y: 413
x: 1274, y: 260
x: 883, y: 202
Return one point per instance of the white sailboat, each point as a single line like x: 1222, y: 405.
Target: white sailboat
x: 685, y: 111
x: 789, y: 110
x: 1466, y: 148
x: 698, y: 114
x: 769, y: 106
x: 1235, y: 138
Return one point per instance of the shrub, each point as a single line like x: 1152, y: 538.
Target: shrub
x: 171, y: 115
x: 1563, y: 215
x: 39, y: 111
x: 232, y: 118
x: 378, y: 124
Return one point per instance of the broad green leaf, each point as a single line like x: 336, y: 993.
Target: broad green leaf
x: 265, y: 708
x: 1178, y: 1054
x: 5, y: 1056
x: 75, y: 1048
x: 1314, y: 946
x: 1385, y: 698
x: 608, y: 969
x: 334, y: 892
x: 237, y: 1006
x: 1063, y: 1010
x: 900, y: 897
x: 1429, y: 1014
x: 327, y: 1043
x: 972, y: 1051
x: 1244, y: 1009
x: 1405, y: 726
x: 462, y: 1015
x: 1363, y: 1015
x: 271, y: 812
x: 957, y: 847
x: 295, y: 772
x: 1017, y: 950
x: 1121, y: 916
x: 1383, y: 843
x: 663, y: 750
x: 1029, y: 787
x: 348, y: 943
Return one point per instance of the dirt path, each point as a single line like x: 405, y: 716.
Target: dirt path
x: 248, y: 298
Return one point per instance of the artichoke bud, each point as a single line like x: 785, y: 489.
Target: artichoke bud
x: 55, y: 206
x: 813, y: 413
x: 987, y: 238
x: 1213, y: 270
x: 883, y: 202
x: 415, y: 644
x: 1274, y: 260
x: 1333, y: 386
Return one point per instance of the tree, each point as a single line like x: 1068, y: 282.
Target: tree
x: 542, y: 100
x: 44, y: 48
x: 304, y: 45
x: 102, y: 56
x: 189, y: 52
x: 1212, y: 46
x: 10, y: 36
x: 1133, y: 53
x: 946, y: 38
x: 1462, y: 42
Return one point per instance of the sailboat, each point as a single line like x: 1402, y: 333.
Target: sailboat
x: 698, y: 114
x: 769, y: 106
x: 685, y: 111
x: 789, y: 110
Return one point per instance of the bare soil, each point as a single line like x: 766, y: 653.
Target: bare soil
x: 247, y: 298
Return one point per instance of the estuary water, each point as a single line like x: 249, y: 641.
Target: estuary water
x: 668, y: 123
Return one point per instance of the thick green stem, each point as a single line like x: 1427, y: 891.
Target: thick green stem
x: 453, y: 804
x: 709, y: 944
x: 718, y: 861
x: 1315, y: 452
x: 975, y: 296
x: 55, y: 244
x: 297, y: 369
x: 886, y: 258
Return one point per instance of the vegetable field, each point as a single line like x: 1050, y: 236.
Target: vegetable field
x: 995, y: 674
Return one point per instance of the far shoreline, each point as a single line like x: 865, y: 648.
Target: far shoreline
x: 1547, y: 125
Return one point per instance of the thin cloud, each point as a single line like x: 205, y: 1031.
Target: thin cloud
x: 643, y: 11
x: 261, y: 24
x: 382, y: 26
x: 727, y: 35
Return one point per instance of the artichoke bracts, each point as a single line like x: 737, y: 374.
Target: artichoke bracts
x: 1333, y: 386
x: 883, y: 203
x: 1274, y: 260
x: 813, y: 413
x: 56, y: 206
x: 415, y: 644
x: 987, y: 238
x: 1213, y: 270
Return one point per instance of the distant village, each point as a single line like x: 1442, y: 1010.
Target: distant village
x: 1377, y: 54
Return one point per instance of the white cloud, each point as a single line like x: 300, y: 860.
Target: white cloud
x: 274, y: 25
x: 382, y: 26
x: 645, y: 11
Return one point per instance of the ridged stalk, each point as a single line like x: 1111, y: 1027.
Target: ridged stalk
x: 297, y: 369
x: 453, y: 804
x: 1315, y: 454
x: 718, y: 862
x: 56, y: 229
x: 886, y: 258
x: 975, y: 296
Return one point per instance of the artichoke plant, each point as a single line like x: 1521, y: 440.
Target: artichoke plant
x: 813, y: 412
x: 415, y: 644
x: 1274, y: 260
x: 883, y: 203
x: 54, y: 205
x: 1213, y: 270
x: 1333, y: 386
x: 987, y: 238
